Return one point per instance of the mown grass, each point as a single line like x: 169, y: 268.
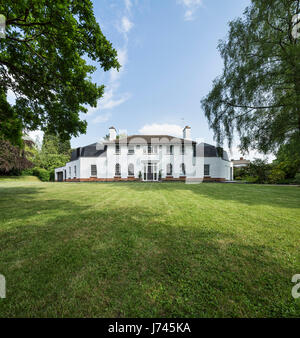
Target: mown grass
x: 19, y: 179
x: 148, y: 250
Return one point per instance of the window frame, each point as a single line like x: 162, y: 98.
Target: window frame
x: 169, y: 172
x: 206, y: 166
x: 94, y: 170
x: 118, y: 172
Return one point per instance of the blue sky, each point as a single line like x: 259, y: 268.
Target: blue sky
x: 168, y: 51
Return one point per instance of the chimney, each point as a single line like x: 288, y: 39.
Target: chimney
x: 112, y: 133
x: 187, y: 133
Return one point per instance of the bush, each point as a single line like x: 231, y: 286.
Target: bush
x: 252, y: 179
x: 42, y: 174
x: 27, y: 172
x: 296, y: 180
x: 276, y: 175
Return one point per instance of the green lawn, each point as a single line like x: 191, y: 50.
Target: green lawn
x: 148, y: 250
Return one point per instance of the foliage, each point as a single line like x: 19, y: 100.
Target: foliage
x: 54, y: 153
x: 12, y: 159
x: 42, y: 174
x: 43, y: 61
x: 288, y: 158
x: 276, y: 175
x: 149, y: 250
x: 258, y: 93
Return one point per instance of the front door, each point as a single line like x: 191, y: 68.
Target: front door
x: 150, y: 172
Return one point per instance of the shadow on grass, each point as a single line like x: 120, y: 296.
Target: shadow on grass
x: 132, y: 262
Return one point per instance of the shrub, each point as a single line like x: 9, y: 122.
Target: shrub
x: 253, y: 179
x: 275, y: 175
x: 27, y: 172
x: 42, y: 174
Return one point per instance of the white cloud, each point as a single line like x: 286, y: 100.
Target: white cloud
x: 161, y: 129
x: 37, y: 136
x: 102, y: 118
x: 126, y: 25
x: 190, y: 7
x: 128, y: 5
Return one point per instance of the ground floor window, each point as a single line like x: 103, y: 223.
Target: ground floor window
x: 131, y: 170
x: 182, y: 168
x: 206, y: 170
x: 74, y: 170
x: 93, y: 170
x: 70, y: 172
x: 169, y: 169
x: 118, y: 170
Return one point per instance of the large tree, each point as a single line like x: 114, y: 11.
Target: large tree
x: 43, y: 61
x: 258, y: 93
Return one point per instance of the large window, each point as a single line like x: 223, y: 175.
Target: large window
x: 70, y: 171
x: 150, y: 149
x: 130, y: 149
x: 170, y: 150
x: 206, y: 170
x: 74, y: 170
x: 118, y: 170
x: 169, y: 169
x: 130, y: 169
x: 182, y: 168
x: 117, y: 148
x: 94, y: 170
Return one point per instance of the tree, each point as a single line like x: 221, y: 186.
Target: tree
x: 288, y: 158
x: 258, y: 93
x: 54, y: 153
x: 43, y: 61
x: 12, y: 159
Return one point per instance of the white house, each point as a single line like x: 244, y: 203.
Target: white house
x: 147, y: 158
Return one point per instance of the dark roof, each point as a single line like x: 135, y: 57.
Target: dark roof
x: 92, y: 150
x: 97, y: 149
x: 208, y: 150
x: 159, y: 139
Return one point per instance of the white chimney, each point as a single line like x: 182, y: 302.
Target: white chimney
x: 187, y: 133
x: 112, y: 133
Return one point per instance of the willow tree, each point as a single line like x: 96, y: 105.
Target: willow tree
x: 45, y: 59
x: 258, y: 94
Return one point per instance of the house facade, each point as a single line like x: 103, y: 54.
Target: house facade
x: 147, y: 158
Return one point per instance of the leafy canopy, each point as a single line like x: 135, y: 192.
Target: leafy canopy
x: 258, y: 93
x: 43, y: 61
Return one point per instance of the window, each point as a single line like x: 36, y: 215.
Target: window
x: 130, y: 150
x: 150, y: 149
x: 206, y: 169
x: 138, y: 146
x: 182, y: 168
x: 194, y: 149
x: 70, y: 172
x: 131, y: 170
x: 170, y: 150
x: 117, y: 148
x: 118, y: 170
x: 169, y: 169
x: 93, y: 170
x: 182, y: 148
x: 74, y: 170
